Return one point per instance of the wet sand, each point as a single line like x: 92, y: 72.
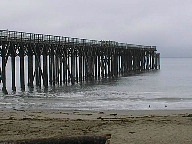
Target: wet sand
x: 136, y: 127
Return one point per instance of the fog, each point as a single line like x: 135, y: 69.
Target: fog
x: 166, y: 24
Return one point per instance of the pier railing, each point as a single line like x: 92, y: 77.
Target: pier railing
x: 62, y: 60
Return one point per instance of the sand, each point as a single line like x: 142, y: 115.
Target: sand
x: 126, y: 127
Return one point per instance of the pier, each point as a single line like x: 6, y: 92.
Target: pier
x: 57, y: 60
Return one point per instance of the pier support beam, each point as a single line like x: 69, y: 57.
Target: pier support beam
x: 22, y: 74
x: 45, y: 70
x: 30, y: 70
x: 3, y: 77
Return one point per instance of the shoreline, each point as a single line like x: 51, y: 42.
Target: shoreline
x: 125, y: 126
x: 107, y: 112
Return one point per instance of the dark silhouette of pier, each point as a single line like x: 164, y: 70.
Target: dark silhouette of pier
x: 63, y: 60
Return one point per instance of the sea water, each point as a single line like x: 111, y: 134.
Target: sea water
x: 168, y: 88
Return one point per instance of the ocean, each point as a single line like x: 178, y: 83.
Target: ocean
x: 165, y: 89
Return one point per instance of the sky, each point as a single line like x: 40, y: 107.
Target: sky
x: 166, y: 24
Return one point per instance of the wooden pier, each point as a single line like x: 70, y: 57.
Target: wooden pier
x: 58, y: 60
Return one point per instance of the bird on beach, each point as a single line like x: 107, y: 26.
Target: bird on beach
x: 149, y: 106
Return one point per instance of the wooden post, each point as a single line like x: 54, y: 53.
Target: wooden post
x: 13, y: 72
x: 84, y: 67
x: 22, y: 74
x: 135, y: 61
x: 150, y: 63
x: 60, y: 70
x: 57, y: 68
x: 119, y: 65
x: 127, y: 62
x: 64, y: 68
x: 122, y: 64
x: 3, y: 77
x: 76, y: 64
x: 45, y: 73
x: 112, y: 63
x: 152, y: 56
x: 90, y: 67
x: 130, y: 61
x: 69, y: 72
x: 105, y: 66
x: 148, y: 60
x: 115, y: 65
x: 50, y: 69
x: 53, y: 68
x: 102, y: 67
x: 155, y: 61
x: 37, y: 70
x: 143, y: 60
x: 159, y: 61
x: 72, y: 67
x: 95, y: 66
x: 30, y: 70
x: 99, y: 66
x: 109, y: 65
x: 80, y: 66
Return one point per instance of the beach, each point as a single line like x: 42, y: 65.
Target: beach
x: 140, y: 127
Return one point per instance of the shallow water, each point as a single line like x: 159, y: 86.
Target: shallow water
x: 168, y: 88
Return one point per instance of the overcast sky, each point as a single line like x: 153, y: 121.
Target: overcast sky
x: 164, y: 23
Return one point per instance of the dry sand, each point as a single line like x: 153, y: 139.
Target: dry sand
x: 126, y: 127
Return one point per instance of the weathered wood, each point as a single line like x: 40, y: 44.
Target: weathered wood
x: 13, y: 73
x: 37, y: 70
x: 86, y: 67
x: 45, y: 71
x: 54, y: 69
x: 30, y: 71
x: 102, y: 67
x: 152, y: 57
x: 76, y: 64
x: 3, y: 76
x: 129, y: 62
x: 65, y: 140
x: 72, y: 67
x: 147, y: 57
x: 95, y: 64
x: 22, y: 74
x: 105, y: 66
x: 99, y: 66
x: 119, y: 65
x: 68, y: 68
x: 122, y: 64
x: 50, y: 70
x: 64, y: 68
x: 80, y: 67
x: 115, y: 65
x: 60, y: 70
x: 150, y: 62
x: 109, y: 65
x: 70, y: 59
x: 83, y: 67
x: 159, y: 65
x: 57, y: 69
